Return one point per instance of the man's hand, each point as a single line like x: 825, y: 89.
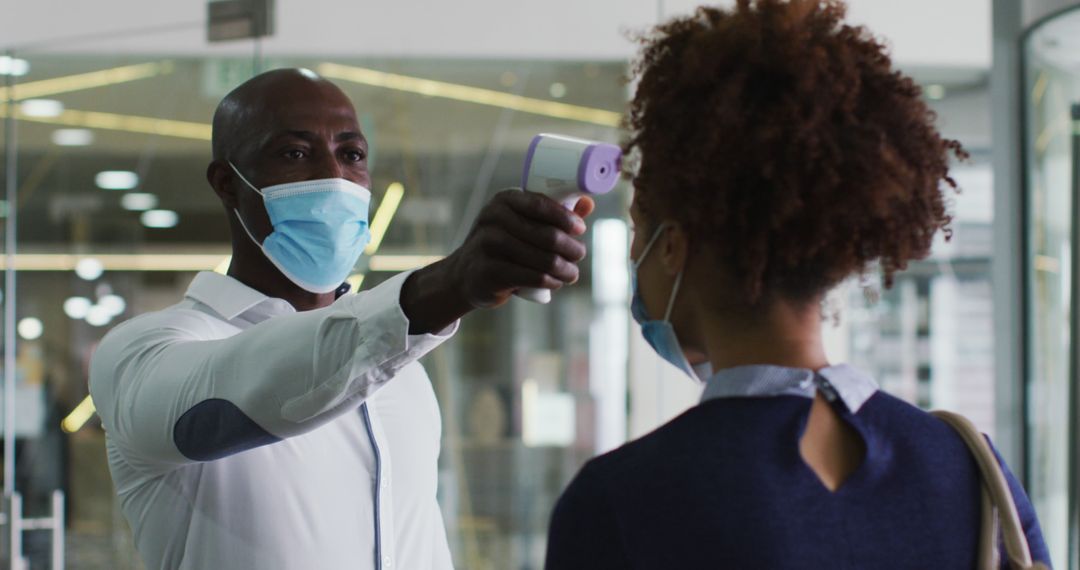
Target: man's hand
x: 521, y: 239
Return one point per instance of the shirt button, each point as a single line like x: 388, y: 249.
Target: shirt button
x: 386, y: 484
x: 387, y: 561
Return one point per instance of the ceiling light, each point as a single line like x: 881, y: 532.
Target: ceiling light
x: 384, y: 262
x: 72, y: 137
x: 114, y: 304
x: 77, y: 307
x: 89, y: 80
x: 13, y: 66
x: 89, y: 268
x: 557, y: 90
x: 41, y: 108
x: 79, y: 416
x: 98, y: 316
x: 168, y: 261
x: 469, y: 94
x: 381, y: 222
x: 126, y: 123
x: 355, y: 281
x: 116, y: 180
x: 935, y: 92
x: 159, y: 218
x: 30, y: 328
x: 223, y: 267
x: 138, y: 201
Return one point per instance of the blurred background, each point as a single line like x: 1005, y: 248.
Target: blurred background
x: 106, y: 107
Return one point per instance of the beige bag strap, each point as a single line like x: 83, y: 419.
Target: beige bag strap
x: 998, y: 505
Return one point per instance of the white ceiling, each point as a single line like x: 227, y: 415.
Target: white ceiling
x: 923, y: 33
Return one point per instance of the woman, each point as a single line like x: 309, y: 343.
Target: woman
x: 779, y: 153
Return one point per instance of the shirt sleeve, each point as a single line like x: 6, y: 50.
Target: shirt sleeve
x: 584, y: 529
x: 168, y: 397
x: 1028, y: 519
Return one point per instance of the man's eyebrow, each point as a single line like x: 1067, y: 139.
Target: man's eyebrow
x: 344, y: 136
x: 350, y: 136
x: 305, y: 135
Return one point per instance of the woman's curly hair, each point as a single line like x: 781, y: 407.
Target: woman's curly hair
x: 784, y: 138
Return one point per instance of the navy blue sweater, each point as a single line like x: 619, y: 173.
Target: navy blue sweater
x: 724, y: 486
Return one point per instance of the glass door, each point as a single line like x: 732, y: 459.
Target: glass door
x: 1051, y: 87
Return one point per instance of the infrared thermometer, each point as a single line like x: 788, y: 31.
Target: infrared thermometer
x: 565, y: 169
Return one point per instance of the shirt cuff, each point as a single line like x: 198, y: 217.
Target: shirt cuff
x: 385, y: 300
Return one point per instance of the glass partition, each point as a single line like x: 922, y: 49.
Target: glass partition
x: 115, y: 218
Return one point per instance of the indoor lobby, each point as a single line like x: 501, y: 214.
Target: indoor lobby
x: 107, y: 214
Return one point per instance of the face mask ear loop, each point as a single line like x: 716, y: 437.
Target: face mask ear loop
x: 243, y: 225
x: 250, y: 185
x: 652, y: 241
x: 237, y: 212
x: 671, y: 301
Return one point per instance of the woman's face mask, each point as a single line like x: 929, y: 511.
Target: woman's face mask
x: 660, y: 334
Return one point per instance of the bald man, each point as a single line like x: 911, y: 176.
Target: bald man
x: 271, y: 419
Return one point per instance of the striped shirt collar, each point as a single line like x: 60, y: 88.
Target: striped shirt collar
x: 842, y: 381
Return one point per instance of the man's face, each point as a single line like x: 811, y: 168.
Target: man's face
x: 310, y: 131
x: 299, y: 130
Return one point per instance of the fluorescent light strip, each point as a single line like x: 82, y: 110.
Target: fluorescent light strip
x: 223, y: 267
x: 179, y: 261
x: 355, y: 281
x: 458, y: 92
x: 1053, y: 127
x: 1039, y: 89
x: 79, y: 416
x: 126, y: 123
x: 384, y: 262
x: 202, y: 131
x: 381, y: 222
x: 108, y: 121
x: 90, y: 80
x: 115, y: 261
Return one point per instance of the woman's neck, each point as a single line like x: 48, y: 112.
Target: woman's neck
x: 784, y: 334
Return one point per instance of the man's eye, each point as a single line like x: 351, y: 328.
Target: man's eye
x: 295, y: 154
x: 355, y: 155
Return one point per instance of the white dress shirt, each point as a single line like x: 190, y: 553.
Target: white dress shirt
x: 242, y: 434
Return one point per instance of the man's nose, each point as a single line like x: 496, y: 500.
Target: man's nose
x: 328, y: 167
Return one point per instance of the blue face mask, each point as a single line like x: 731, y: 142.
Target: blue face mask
x: 661, y: 334
x: 320, y: 229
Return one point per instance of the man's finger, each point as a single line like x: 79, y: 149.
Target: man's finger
x: 543, y: 236
x: 509, y: 248
x: 543, y: 209
x: 503, y: 275
x: 584, y: 207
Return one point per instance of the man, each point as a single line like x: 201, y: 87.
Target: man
x: 270, y: 420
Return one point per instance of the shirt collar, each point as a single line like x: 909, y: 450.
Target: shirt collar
x: 842, y: 381
x: 226, y: 296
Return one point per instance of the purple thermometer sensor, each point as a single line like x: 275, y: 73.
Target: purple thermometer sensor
x: 565, y: 169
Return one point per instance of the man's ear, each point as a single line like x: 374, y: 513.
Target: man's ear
x: 220, y: 177
x: 676, y: 249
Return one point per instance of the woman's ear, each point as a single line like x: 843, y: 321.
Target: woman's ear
x: 676, y: 249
